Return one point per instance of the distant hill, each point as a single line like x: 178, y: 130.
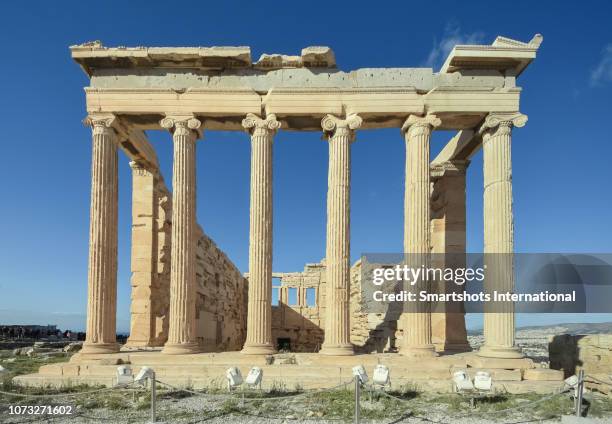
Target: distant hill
x: 576, y: 328
x: 563, y: 328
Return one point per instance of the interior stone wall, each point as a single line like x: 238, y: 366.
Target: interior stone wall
x: 448, y: 246
x: 303, y: 324
x: 161, y: 299
x: 300, y: 323
x: 150, y: 262
x: 221, y: 306
x: 370, y: 332
x: 221, y: 302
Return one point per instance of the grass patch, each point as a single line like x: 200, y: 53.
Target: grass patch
x: 5, y: 354
x: 599, y: 405
x: 337, y: 404
x: 119, y: 400
x: 27, y: 365
x: 495, y: 405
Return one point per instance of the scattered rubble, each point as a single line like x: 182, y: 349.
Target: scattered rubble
x: 591, y: 353
x: 73, y: 347
x: 47, y: 349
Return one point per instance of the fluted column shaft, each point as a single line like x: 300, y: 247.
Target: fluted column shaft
x: 499, y: 325
x: 340, y: 134
x: 102, y: 270
x: 182, y: 324
x: 416, y: 321
x: 259, y: 317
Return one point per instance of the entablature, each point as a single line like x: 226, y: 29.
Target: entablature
x: 221, y: 85
x: 303, y: 108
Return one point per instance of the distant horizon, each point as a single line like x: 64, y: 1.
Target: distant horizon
x: 66, y: 321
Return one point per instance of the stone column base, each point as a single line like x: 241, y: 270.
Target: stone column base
x: 426, y: 351
x: 454, y: 347
x: 95, y: 348
x: 180, y: 348
x: 500, y: 352
x: 476, y: 361
x: 135, y: 344
x: 337, y: 350
x: 258, y: 349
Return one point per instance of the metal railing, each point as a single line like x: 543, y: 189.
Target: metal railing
x: 577, y: 389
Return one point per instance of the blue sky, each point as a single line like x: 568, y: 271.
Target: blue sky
x: 561, y: 158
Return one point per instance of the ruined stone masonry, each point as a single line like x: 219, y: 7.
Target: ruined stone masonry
x: 298, y: 324
x: 221, y: 290
x: 591, y: 353
x: 303, y: 324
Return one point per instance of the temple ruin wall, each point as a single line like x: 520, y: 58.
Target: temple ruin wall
x: 221, y: 288
x: 303, y: 324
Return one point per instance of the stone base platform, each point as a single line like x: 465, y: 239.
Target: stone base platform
x: 299, y: 370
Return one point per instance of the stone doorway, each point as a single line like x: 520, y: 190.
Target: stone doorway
x: 283, y: 344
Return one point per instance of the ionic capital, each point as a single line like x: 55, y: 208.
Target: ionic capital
x: 182, y: 124
x: 141, y: 169
x: 136, y: 165
x: 448, y: 168
x: 420, y: 123
x: 505, y: 121
x: 334, y: 126
x: 253, y: 123
x: 101, y: 123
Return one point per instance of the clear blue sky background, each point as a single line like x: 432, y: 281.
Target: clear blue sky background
x: 561, y: 159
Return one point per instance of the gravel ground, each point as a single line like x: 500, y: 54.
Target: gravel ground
x: 218, y: 409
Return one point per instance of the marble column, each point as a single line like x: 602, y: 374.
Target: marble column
x: 182, y: 326
x: 499, y: 233
x: 259, y: 318
x: 102, y: 270
x: 416, y: 321
x: 448, y: 247
x: 340, y: 134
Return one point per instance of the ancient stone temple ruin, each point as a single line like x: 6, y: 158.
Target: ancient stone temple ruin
x: 188, y: 298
